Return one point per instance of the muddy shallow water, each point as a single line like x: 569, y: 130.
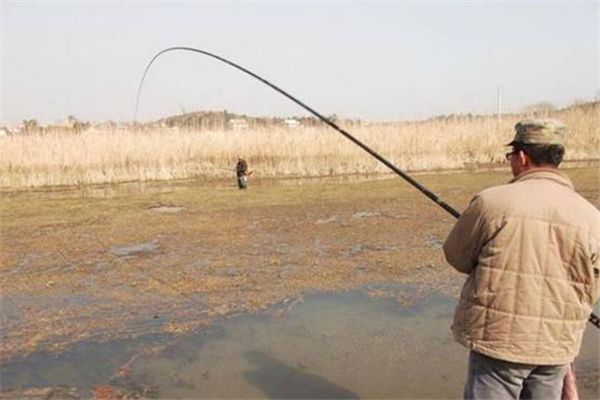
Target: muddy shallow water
x: 341, y: 346
x: 349, y: 345
x: 143, y: 265
x: 328, y: 346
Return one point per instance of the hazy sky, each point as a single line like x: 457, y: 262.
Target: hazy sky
x: 369, y: 60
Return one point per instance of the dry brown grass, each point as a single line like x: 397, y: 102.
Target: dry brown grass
x: 116, y: 156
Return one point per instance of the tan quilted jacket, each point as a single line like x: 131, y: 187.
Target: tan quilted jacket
x: 531, y: 250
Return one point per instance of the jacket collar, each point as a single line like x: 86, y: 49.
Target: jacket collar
x: 552, y: 174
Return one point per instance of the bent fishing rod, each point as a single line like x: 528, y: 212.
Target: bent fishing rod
x: 595, y: 320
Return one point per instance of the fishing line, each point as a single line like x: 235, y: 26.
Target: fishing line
x: 593, y: 318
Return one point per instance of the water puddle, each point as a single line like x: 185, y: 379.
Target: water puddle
x: 366, y: 214
x: 166, y: 208
x: 131, y: 250
x: 329, y: 346
x: 75, y: 371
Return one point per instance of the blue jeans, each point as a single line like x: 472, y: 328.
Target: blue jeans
x: 490, y: 378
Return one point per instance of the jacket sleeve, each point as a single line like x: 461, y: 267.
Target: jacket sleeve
x: 464, y: 243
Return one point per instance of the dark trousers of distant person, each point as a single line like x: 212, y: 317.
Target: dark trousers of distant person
x: 242, y: 182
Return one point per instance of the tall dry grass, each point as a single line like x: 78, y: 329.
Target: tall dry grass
x: 117, y: 156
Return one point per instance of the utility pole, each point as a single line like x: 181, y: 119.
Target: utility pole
x: 499, y: 102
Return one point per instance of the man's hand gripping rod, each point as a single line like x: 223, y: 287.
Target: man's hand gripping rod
x: 593, y: 318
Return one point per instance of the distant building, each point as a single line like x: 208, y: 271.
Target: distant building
x: 291, y: 123
x: 238, y: 124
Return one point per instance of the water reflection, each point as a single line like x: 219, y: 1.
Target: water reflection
x: 331, y: 346
x: 277, y: 380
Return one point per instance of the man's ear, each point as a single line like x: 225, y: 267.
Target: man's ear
x: 523, y: 159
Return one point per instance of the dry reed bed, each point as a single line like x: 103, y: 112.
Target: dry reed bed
x: 116, y: 156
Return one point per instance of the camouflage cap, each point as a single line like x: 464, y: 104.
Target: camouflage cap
x: 539, y: 131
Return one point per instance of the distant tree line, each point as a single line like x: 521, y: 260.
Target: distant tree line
x: 72, y: 125
x: 224, y: 120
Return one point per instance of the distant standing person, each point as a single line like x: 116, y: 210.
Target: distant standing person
x: 530, y: 249
x: 241, y: 170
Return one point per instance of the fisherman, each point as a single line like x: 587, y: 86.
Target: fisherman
x: 530, y: 249
x: 241, y: 170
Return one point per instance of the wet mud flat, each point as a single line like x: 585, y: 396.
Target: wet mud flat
x: 158, y: 262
